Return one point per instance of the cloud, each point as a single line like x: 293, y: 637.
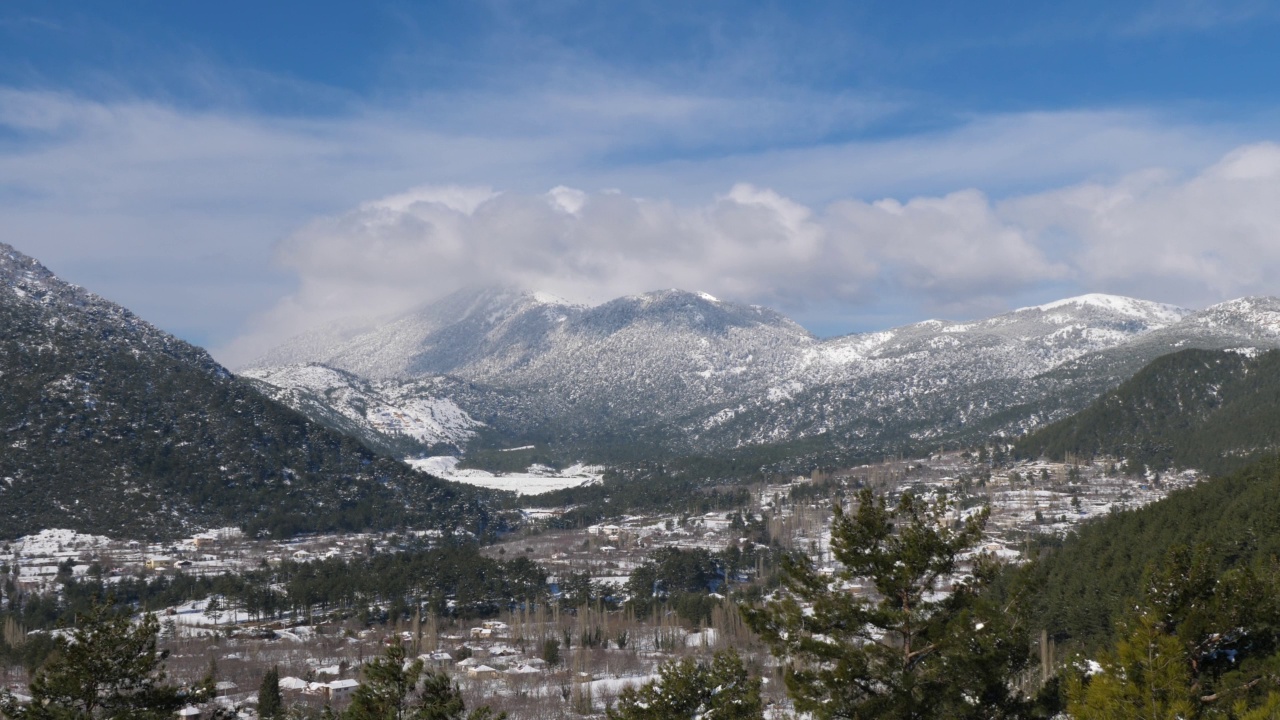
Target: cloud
x: 750, y: 244
x: 230, y: 226
x: 1194, y: 239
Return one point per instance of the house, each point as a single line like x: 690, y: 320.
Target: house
x: 483, y: 672
x: 341, y: 689
x: 438, y: 659
x: 293, y: 683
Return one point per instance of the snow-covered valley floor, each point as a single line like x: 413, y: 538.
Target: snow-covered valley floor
x: 533, y: 481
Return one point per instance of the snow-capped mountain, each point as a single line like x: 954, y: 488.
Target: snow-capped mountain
x: 684, y: 372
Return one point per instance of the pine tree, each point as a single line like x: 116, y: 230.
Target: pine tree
x: 107, y: 668
x: 269, y: 701
x: 385, y: 692
x: 1146, y: 677
x: 899, y: 651
x: 721, y: 689
x: 440, y: 699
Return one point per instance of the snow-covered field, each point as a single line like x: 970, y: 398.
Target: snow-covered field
x: 535, y: 480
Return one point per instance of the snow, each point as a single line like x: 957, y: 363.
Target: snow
x: 388, y: 408
x: 535, y: 480
x: 51, y: 542
x: 547, y: 298
x: 708, y: 297
x: 1158, y: 312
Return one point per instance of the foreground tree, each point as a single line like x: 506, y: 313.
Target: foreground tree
x: 719, y: 690
x: 394, y: 689
x: 269, y: 701
x: 900, y: 648
x: 106, y: 667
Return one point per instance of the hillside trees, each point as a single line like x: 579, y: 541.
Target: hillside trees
x: 1201, y: 644
x: 901, y: 651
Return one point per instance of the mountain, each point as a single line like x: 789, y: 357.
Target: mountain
x: 1213, y: 410
x: 111, y: 426
x: 674, y: 373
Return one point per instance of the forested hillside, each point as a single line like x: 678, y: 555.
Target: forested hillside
x: 110, y: 426
x: 1082, y: 585
x: 1209, y: 410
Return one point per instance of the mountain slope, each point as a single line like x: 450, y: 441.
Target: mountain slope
x: 675, y: 372
x: 1204, y: 409
x: 111, y: 426
x: 398, y: 419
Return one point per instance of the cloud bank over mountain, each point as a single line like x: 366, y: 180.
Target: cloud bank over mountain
x: 1189, y: 239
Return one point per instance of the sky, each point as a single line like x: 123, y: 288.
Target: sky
x: 240, y: 172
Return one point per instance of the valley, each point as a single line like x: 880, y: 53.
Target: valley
x: 551, y: 503
x: 499, y: 655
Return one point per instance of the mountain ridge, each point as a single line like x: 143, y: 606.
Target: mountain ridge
x: 684, y: 373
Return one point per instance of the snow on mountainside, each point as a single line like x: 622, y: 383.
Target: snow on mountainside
x: 685, y: 372
x: 488, y: 324
x: 387, y: 410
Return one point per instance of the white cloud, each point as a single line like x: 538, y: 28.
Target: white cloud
x: 1199, y: 239
x: 203, y: 220
x: 750, y: 244
x: 1191, y: 240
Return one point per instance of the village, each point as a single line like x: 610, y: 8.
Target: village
x: 554, y: 660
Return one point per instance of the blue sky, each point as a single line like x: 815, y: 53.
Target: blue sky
x: 240, y: 171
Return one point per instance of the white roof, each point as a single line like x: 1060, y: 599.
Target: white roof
x: 342, y: 684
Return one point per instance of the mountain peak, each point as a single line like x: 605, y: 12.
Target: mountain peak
x: 1118, y: 303
x: 1153, y: 313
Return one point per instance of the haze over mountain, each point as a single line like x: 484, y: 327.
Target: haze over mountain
x: 109, y: 425
x: 682, y: 372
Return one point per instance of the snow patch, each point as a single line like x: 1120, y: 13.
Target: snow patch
x: 537, y: 479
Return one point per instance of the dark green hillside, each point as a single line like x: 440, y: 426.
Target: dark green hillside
x: 1210, y: 410
x: 1079, y: 589
x: 110, y: 426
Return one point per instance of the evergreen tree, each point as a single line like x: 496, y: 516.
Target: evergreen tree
x: 394, y: 689
x: 107, y: 668
x: 1144, y: 678
x: 385, y: 692
x: 269, y: 701
x: 721, y: 689
x: 440, y: 698
x: 898, y: 651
